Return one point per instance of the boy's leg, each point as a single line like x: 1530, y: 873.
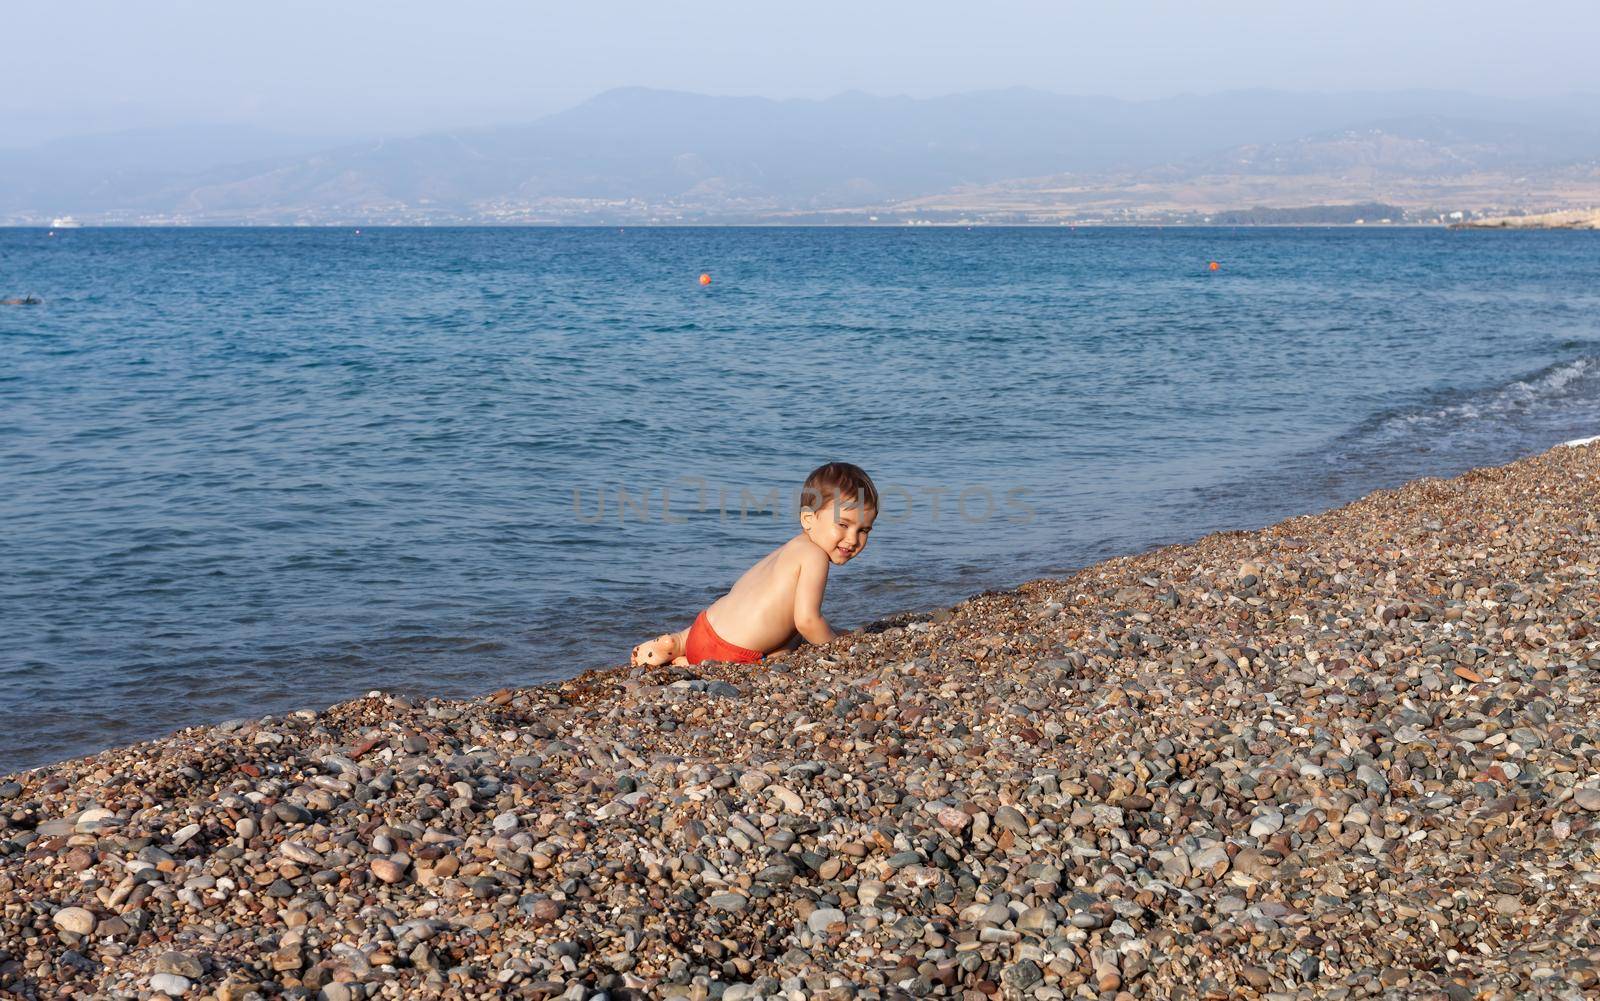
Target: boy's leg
x: 667, y: 648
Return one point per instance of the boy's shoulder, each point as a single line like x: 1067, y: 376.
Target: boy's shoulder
x: 801, y: 551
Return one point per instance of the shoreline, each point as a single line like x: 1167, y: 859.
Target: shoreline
x: 1351, y: 752
x: 763, y: 224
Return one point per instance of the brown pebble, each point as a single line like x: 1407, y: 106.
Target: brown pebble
x: 388, y: 870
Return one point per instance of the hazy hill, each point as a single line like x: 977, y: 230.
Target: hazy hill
x: 640, y: 154
x: 94, y: 172
x: 1415, y: 145
x: 1419, y: 169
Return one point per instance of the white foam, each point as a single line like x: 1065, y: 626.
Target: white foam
x: 1579, y: 441
x: 1508, y: 400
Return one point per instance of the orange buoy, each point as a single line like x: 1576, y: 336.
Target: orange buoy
x: 705, y: 279
x: 1215, y: 266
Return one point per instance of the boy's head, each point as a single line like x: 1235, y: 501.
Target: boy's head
x: 838, y: 504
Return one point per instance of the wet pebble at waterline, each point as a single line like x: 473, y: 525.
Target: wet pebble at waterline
x: 1351, y: 755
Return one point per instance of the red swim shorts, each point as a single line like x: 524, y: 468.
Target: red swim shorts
x: 704, y: 644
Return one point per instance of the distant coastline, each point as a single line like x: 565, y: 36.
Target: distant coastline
x: 1574, y: 219
x: 636, y: 156
x: 1501, y: 222
x: 1353, y: 214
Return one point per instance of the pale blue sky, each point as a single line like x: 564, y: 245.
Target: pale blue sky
x: 334, y: 68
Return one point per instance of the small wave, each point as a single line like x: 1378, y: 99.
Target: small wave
x: 1551, y: 391
x: 1449, y: 432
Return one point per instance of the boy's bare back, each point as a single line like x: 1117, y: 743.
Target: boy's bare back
x: 768, y: 606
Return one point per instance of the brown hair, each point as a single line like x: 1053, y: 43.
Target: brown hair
x: 838, y: 481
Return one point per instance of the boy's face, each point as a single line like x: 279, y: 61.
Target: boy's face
x: 840, y: 529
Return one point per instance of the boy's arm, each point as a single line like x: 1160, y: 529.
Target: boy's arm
x: 808, y: 620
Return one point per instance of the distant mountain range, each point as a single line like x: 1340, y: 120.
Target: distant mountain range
x: 639, y: 156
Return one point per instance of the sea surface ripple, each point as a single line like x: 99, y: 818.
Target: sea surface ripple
x: 244, y: 470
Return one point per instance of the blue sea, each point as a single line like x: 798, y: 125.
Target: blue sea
x: 247, y: 470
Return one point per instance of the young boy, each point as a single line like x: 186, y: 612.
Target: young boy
x: 778, y: 602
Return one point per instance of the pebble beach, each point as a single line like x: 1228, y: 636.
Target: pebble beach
x: 1355, y: 754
